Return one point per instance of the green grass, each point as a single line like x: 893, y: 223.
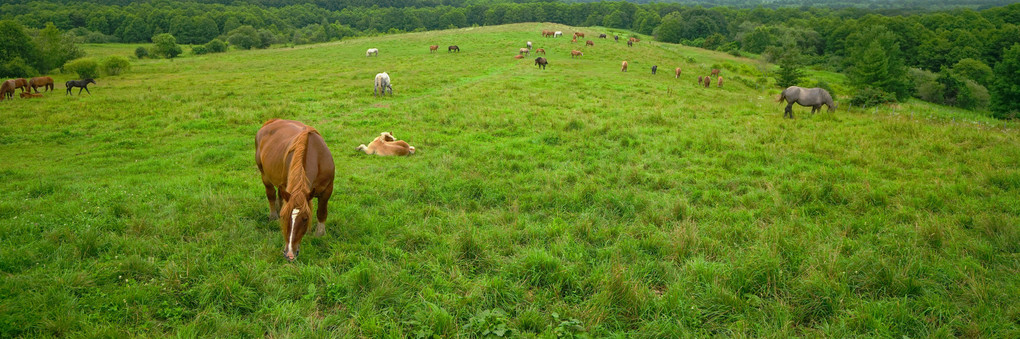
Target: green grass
x: 575, y: 200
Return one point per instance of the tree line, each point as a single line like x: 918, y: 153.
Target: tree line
x: 937, y: 56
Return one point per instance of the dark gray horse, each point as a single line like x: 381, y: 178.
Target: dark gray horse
x: 654, y: 68
x: 814, y: 97
x: 541, y: 62
x: 83, y: 83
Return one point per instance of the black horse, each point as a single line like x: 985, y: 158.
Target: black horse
x: 83, y: 83
x: 654, y: 68
x: 541, y: 62
x: 453, y: 48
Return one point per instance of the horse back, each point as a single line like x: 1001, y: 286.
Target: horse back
x: 272, y: 143
x: 319, y: 165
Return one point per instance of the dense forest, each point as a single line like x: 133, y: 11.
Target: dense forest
x: 954, y: 57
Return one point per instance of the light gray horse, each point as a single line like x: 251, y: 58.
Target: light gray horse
x: 529, y: 44
x: 371, y: 51
x: 814, y: 97
x: 382, y: 82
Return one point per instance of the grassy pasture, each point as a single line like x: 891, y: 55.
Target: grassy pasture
x: 574, y: 200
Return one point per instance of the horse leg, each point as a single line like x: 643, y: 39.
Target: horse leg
x: 788, y: 110
x: 321, y: 212
x: 86, y: 90
x: 274, y: 205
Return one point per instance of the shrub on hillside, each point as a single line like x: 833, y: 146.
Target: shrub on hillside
x: 166, y: 46
x: 199, y: 50
x: 85, y: 68
x: 216, y: 46
x: 870, y: 96
x: 114, y: 65
x: 141, y: 52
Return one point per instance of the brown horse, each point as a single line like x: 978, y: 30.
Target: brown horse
x: 632, y: 39
x: 574, y: 39
x: 602, y: 36
x: 546, y: 33
x: 624, y: 66
x: 433, y: 48
x: 22, y: 84
x: 385, y: 144
x: 540, y: 50
x: 677, y: 71
x: 45, y: 82
x: 518, y: 56
x: 708, y: 81
x: 578, y: 34
x: 296, y: 166
x: 589, y: 43
x: 720, y: 82
x: 541, y: 62
x: 630, y: 43
x: 715, y: 72
x: 29, y: 95
x: 700, y: 80
x: 7, y: 90
x: 575, y: 53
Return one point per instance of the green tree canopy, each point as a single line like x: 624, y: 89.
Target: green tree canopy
x: 1005, y: 91
x: 166, y: 46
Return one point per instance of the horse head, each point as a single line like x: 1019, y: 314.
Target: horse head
x: 294, y: 226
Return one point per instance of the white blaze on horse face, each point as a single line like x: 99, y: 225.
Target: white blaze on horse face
x: 293, y: 220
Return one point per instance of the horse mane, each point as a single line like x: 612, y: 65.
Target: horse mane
x: 297, y: 179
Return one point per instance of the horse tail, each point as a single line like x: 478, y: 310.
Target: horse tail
x: 781, y: 98
x: 297, y: 178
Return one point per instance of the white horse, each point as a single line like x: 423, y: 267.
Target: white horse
x: 557, y: 34
x: 529, y: 44
x: 382, y: 82
x: 371, y: 51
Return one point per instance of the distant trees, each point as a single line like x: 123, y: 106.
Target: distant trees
x: 875, y: 63
x: 15, y: 47
x: 1005, y: 101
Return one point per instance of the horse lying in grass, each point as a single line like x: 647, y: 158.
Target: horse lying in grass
x: 386, y: 145
x: 814, y: 97
x: 29, y: 95
x: 296, y: 166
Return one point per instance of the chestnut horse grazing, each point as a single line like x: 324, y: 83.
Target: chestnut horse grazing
x: 547, y: 33
x: 433, y: 48
x: 700, y: 80
x: 385, y: 145
x: 45, y: 82
x: 578, y: 34
x: 708, y: 81
x: 540, y: 50
x: 715, y: 72
x: 589, y: 43
x: 7, y: 90
x: 296, y: 166
x: 22, y: 84
x: 677, y: 71
x: 575, y: 53
x: 624, y: 66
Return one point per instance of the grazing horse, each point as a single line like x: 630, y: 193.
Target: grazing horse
x: 83, y: 83
x: 575, y: 53
x: 700, y: 80
x: 433, y: 48
x: 654, y: 68
x: 632, y: 39
x: 529, y: 45
x: 578, y: 34
x: 385, y: 145
x: 453, y: 48
x: 630, y: 43
x: 546, y: 33
x: 557, y: 34
x: 715, y: 72
x: 382, y: 82
x: 541, y: 62
x: 524, y: 51
x: 371, y: 51
x: 814, y: 97
x: 45, y: 82
x: 22, y: 84
x: 602, y: 36
x: 574, y: 39
x: 27, y: 95
x: 708, y: 81
x: 617, y: 38
x: 720, y: 82
x: 7, y: 90
x: 296, y: 167
x: 624, y: 66
x: 540, y: 50
x: 677, y: 71
x: 589, y: 43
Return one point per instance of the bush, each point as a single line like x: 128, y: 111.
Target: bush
x: 17, y: 68
x: 116, y: 64
x: 870, y: 96
x: 926, y: 85
x: 141, y: 52
x: 85, y: 68
x: 199, y: 50
x: 216, y: 46
x: 244, y: 37
x: 973, y: 96
x: 166, y: 46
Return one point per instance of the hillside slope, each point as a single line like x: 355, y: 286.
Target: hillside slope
x: 576, y: 199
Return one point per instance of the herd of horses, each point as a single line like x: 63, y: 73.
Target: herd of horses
x: 27, y: 86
